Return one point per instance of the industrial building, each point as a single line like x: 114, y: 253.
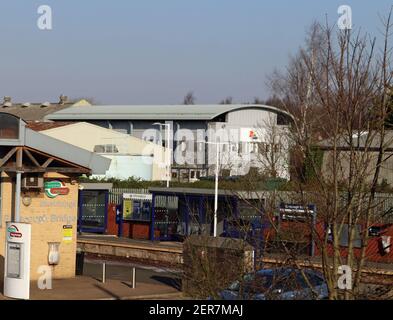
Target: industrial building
x: 131, y: 157
x: 248, y: 136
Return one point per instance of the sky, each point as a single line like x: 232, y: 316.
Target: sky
x: 155, y: 51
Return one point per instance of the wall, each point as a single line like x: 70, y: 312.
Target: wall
x: 374, y: 251
x: 86, y: 136
x: 366, y: 162
x: 250, y: 117
x: 124, y: 166
x: 47, y: 217
x: 199, y: 154
x: 248, y: 152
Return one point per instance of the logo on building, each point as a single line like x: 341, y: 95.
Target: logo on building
x: 55, y: 188
x: 13, y: 232
x: 252, y: 135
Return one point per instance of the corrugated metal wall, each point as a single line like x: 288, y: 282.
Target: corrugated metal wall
x: 251, y: 118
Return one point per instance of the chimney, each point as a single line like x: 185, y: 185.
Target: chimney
x: 7, y: 102
x: 26, y: 105
x: 63, y: 99
x: 45, y: 104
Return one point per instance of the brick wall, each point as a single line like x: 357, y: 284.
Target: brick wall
x: 47, y: 217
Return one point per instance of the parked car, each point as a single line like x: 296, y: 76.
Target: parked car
x: 278, y: 284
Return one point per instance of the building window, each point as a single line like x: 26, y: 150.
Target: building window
x: 277, y: 148
x: 106, y: 148
x: 282, y: 119
x: 9, y: 127
x: 253, y: 147
x: 343, y: 236
x: 344, y: 241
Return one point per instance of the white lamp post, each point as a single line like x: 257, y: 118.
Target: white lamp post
x: 168, y: 157
x: 217, y: 144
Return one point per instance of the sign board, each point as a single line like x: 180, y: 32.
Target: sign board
x: 127, y: 208
x: 67, y: 233
x: 55, y: 188
x: 17, y: 260
x: 138, y: 196
x: 137, y: 206
x: 296, y: 212
x: 14, y: 252
x: 252, y: 134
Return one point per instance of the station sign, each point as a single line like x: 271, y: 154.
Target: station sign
x: 13, y: 232
x: 55, y: 188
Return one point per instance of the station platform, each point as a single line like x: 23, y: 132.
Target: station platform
x: 170, y: 254
x: 150, y: 252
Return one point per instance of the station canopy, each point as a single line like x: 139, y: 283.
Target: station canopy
x: 23, y: 149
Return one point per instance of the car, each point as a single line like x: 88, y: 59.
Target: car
x: 278, y: 284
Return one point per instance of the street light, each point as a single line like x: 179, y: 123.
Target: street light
x: 167, y: 146
x: 216, y: 182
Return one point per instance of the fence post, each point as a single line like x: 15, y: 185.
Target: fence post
x: 133, y: 278
x: 103, y: 272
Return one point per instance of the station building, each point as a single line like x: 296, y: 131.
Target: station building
x: 49, y: 192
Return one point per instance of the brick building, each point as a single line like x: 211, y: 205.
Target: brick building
x: 48, y: 169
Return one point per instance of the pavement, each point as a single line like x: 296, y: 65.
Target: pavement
x: 151, y: 283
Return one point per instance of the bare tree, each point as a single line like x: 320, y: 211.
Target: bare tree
x: 227, y: 100
x: 337, y: 88
x: 272, y: 148
x: 189, y: 98
x: 258, y: 101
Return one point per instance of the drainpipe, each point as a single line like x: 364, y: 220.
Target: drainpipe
x: 19, y: 162
x: 17, y: 195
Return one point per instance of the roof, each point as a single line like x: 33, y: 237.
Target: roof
x: 66, y: 151
x: 152, y: 112
x: 92, y: 130
x: 209, y: 192
x: 53, y: 147
x: 95, y: 186
x: 33, y: 111
x: 46, y: 125
x: 360, y: 141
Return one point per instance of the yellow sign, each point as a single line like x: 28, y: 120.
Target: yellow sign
x: 127, y: 208
x: 67, y: 234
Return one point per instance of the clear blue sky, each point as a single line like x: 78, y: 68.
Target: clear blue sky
x: 154, y: 51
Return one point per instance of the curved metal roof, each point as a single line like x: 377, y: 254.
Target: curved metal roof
x: 153, y: 112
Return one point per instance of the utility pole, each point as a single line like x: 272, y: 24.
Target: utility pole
x: 168, y: 150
